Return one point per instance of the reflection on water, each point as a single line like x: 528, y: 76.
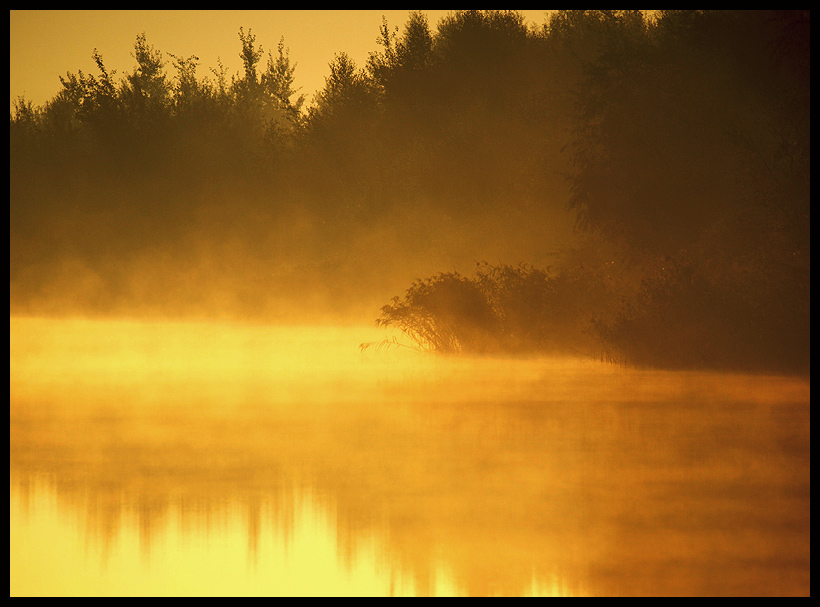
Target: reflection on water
x: 163, y: 458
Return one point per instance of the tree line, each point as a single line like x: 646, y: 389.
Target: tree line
x: 676, y: 142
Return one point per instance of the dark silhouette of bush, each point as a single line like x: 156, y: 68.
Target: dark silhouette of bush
x: 681, y: 316
x: 688, y: 316
x: 502, y: 309
x: 447, y: 313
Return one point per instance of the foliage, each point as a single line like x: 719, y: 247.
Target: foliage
x: 692, y: 153
x: 681, y: 318
x: 677, y: 128
x: 679, y: 138
x: 502, y: 309
x: 447, y: 313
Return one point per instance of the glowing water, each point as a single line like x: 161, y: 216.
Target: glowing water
x: 185, y: 458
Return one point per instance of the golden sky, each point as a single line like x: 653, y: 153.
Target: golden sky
x: 44, y: 45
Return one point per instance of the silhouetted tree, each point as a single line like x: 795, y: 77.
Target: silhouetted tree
x: 278, y: 81
x: 685, y: 136
x: 689, y: 155
x: 402, y: 58
x: 248, y: 87
x: 341, y: 143
x: 146, y: 92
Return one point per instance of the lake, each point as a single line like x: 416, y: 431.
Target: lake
x: 197, y: 458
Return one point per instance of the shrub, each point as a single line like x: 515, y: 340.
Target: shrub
x: 684, y: 318
x: 446, y: 313
x: 502, y: 309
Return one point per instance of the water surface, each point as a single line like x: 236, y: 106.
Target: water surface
x: 228, y: 459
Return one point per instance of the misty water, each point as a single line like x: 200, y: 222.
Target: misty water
x: 204, y: 458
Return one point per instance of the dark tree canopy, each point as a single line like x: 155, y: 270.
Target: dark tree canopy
x: 677, y: 142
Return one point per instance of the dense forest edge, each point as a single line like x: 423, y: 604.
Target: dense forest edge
x: 626, y: 185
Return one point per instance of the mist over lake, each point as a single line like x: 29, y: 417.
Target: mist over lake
x: 509, y: 308
x: 182, y: 458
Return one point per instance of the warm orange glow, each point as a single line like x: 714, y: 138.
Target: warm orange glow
x: 417, y: 303
x: 46, y: 44
x: 191, y: 555
x: 194, y: 458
